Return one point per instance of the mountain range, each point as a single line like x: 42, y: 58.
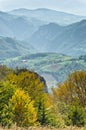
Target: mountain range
x: 48, y: 15
x: 58, y: 32
x: 69, y: 40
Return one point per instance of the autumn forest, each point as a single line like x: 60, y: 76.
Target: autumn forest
x: 25, y: 100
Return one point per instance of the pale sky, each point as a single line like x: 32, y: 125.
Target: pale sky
x: 71, y: 6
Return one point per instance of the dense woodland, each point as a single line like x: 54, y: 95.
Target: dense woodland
x: 25, y: 100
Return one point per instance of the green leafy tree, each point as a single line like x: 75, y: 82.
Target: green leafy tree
x: 6, y: 92
x: 48, y: 113
x: 76, y: 116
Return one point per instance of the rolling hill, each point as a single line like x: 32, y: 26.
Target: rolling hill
x: 10, y: 48
x: 52, y: 66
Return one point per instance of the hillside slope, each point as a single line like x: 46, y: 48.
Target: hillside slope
x: 69, y: 40
x: 19, y: 27
x: 10, y: 48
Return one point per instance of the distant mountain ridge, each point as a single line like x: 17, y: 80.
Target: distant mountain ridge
x: 48, y: 15
x: 19, y: 27
x: 69, y: 40
x: 39, y: 28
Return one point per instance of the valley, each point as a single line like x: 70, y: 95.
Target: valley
x: 52, y: 66
x: 50, y: 44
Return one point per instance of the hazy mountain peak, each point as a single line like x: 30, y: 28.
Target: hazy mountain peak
x: 3, y: 13
x: 82, y: 21
x: 43, y: 9
x: 51, y: 26
x: 20, y: 10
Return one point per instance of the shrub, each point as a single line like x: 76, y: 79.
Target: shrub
x: 76, y: 116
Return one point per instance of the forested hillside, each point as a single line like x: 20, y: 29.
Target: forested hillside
x: 25, y: 101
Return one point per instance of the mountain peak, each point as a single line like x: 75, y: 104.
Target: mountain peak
x: 3, y: 13
x: 51, y: 26
x: 83, y: 21
x: 43, y: 9
x: 80, y: 23
x: 20, y: 10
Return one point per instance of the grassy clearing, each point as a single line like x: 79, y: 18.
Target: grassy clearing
x: 44, y: 128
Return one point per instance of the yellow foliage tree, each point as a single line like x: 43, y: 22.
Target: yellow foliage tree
x: 23, y: 109
x: 28, y: 81
x: 73, y: 90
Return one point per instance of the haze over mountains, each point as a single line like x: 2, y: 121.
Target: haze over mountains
x: 46, y: 27
x: 48, y: 15
x: 69, y: 40
x: 19, y: 27
x: 27, y: 35
x: 10, y: 48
